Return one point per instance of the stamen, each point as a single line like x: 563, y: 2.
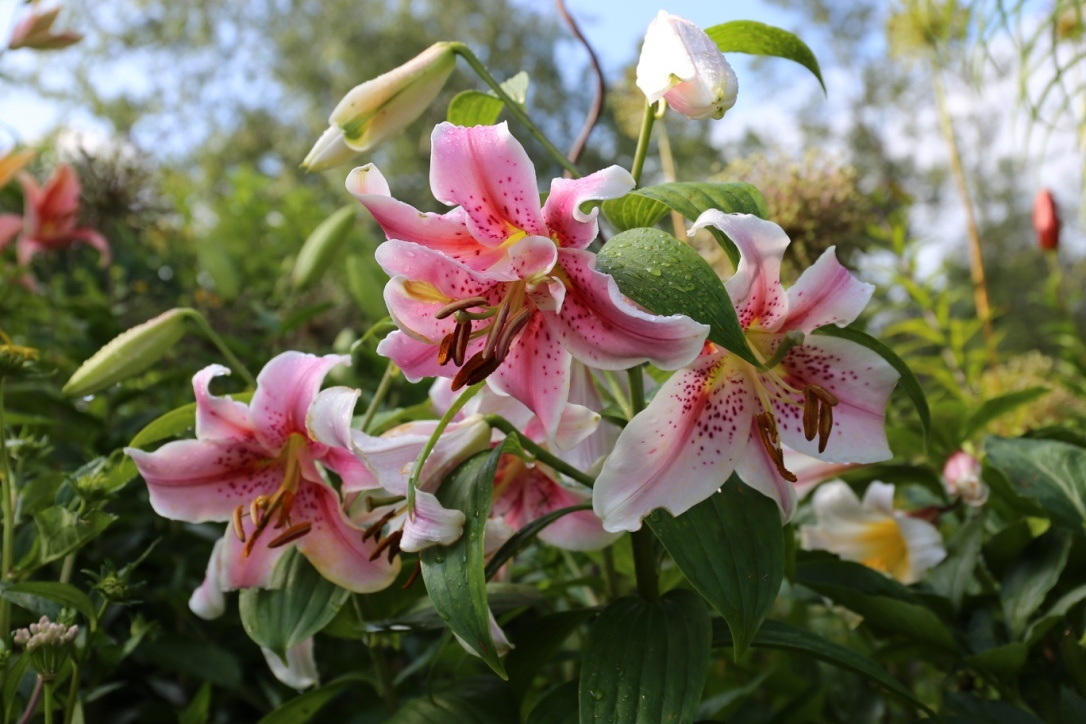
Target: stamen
x: 477, y: 369
x: 825, y: 395
x: 517, y: 323
x: 285, y: 500
x: 460, y: 343
x: 495, y: 331
x: 256, y: 510
x: 413, y: 577
x: 767, y: 432
x: 391, y: 543
x: 374, y: 531
x: 458, y: 306
x: 444, y: 351
x: 810, y: 413
x: 291, y: 534
x: 239, y: 529
x: 825, y: 427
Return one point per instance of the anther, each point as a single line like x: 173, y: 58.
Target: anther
x: 460, y: 342
x: 239, y: 529
x: 476, y: 369
x: 391, y: 543
x: 459, y: 306
x: 444, y: 351
x: 495, y: 330
x: 291, y: 534
x: 413, y: 577
x: 810, y: 413
x: 825, y: 427
x: 256, y: 510
x: 512, y: 329
x: 374, y: 531
x: 285, y: 500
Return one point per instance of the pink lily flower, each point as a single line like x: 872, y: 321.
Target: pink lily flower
x: 822, y: 396
x: 35, y: 31
x: 49, y: 219
x: 503, y: 289
x: 256, y: 466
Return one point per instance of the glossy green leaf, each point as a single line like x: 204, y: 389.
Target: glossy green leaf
x: 298, y: 603
x: 646, y: 662
x: 322, y: 247
x: 754, y: 38
x: 61, y: 531
x: 482, y: 700
x: 558, y: 706
x: 537, y: 643
x: 454, y: 575
x: 666, y: 276
x: 1054, y: 614
x: 785, y: 637
x: 1050, y: 472
x: 304, y: 707
x: 474, y: 108
x: 197, y: 710
x: 954, y: 575
x: 1031, y: 577
x: 731, y: 549
x: 31, y: 595
x: 909, y: 383
x: 365, y: 280
x: 12, y: 679
x: 633, y: 210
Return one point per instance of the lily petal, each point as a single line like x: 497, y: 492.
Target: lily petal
x: 756, y: 469
x: 826, y: 293
x: 562, y: 213
x: 285, y: 388
x: 300, y: 669
x: 10, y: 226
x: 219, y: 417
x: 208, y: 601
x: 433, y: 524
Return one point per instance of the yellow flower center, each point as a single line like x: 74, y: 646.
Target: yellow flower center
x: 275, y: 511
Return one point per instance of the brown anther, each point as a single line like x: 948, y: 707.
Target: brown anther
x: 291, y: 534
x: 825, y: 426
x: 374, y: 531
x: 256, y: 510
x: 810, y: 413
x: 495, y: 330
x: 477, y: 369
x: 823, y: 394
x: 459, y: 306
x: 767, y: 433
x: 460, y: 342
x: 239, y: 529
x: 512, y: 329
x: 285, y: 500
x: 444, y: 351
x: 413, y: 577
x: 391, y: 544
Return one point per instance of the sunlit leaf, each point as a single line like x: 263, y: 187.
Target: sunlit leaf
x: 754, y: 38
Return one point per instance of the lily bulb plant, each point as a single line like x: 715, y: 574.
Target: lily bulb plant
x: 599, y: 397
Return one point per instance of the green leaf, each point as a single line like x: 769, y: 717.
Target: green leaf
x: 633, y: 210
x: 526, y: 534
x: 558, y: 706
x: 731, y: 549
x: 474, y: 108
x: 666, y: 276
x: 646, y: 662
x: 965, y: 709
x: 1002, y: 661
x: 784, y: 637
x: 202, y: 660
x: 996, y: 407
x: 322, y: 247
x: 454, y: 575
x: 12, y: 680
x: 1055, y: 614
x: 197, y: 710
x: 1049, y: 472
x: 60, y: 531
x: 537, y: 643
x: 754, y: 38
x: 298, y: 603
x: 953, y: 576
x: 32, y: 594
x: 482, y: 700
x: 909, y: 382
x: 215, y: 260
x: 1031, y: 577
x: 304, y: 707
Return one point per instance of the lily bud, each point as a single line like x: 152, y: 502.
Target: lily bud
x: 373, y: 112
x: 1046, y: 220
x: 128, y: 354
x: 961, y: 475
x: 36, y: 31
x: 682, y: 65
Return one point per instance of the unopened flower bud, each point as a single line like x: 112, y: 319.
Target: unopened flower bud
x: 128, y: 354
x: 374, y: 111
x: 47, y: 644
x: 961, y: 475
x: 1046, y: 220
x: 682, y: 65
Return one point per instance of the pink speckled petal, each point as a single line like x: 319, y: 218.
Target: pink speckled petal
x: 328, y: 421
x: 535, y: 493
x: 681, y: 448
x: 487, y: 172
x: 826, y: 293
x: 204, y: 480
x: 755, y: 288
x: 447, y: 233
x: 219, y: 418
x: 760, y: 472
x: 600, y: 328
x: 570, y: 226
x: 536, y: 372
x: 335, y: 547
x: 532, y: 256
x: 285, y: 388
x: 433, y: 524
x: 10, y: 226
x: 414, y: 358
x: 860, y: 379
x: 249, y: 571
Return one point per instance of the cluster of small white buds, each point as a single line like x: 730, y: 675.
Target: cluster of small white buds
x: 48, y: 644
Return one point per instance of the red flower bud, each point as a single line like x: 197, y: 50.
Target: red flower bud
x: 1046, y: 220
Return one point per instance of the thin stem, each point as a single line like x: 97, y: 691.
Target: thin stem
x: 73, y: 693
x: 48, y: 703
x: 667, y: 164
x: 420, y: 461
x: 377, y: 328
x: 540, y: 453
x: 8, y: 492
x: 379, y: 395
x: 35, y: 697
x: 221, y: 345
x: 647, y: 121
x: 514, y: 108
x: 637, y: 389
x: 597, y: 100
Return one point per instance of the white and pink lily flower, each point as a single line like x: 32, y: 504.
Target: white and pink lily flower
x: 503, y: 289
x: 822, y: 396
x: 872, y: 532
x: 257, y: 466
x: 961, y: 477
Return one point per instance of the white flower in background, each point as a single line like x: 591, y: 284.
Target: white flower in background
x: 682, y: 65
x: 872, y: 532
x: 961, y: 475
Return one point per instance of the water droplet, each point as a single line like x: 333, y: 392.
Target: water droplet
x: 595, y: 694
x: 654, y: 271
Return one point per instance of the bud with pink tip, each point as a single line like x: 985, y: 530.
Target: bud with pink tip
x: 961, y: 475
x: 1046, y: 220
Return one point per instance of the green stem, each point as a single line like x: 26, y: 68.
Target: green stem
x: 382, y: 389
x: 47, y: 704
x: 637, y: 389
x: 540, y: 453
x: 221, y: 345
x: 73, y: 693
x: 642, y: 151
x: 377, y: 328
x: 643, y: 541
x: 515, y: 108
x: 7, y: 489
x: 420, y: 461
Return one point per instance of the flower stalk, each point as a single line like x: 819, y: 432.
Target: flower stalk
x: 8, y: 492
x: 647, y: 121
x: 538, y: 452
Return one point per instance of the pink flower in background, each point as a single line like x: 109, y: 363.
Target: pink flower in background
x: 49, y: 220
x: 824, y: 397
x: 503, y: 289
x: 961, y: 474
x: 35, y: 31
x: 256, y: 465
x: 1046, y: 220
